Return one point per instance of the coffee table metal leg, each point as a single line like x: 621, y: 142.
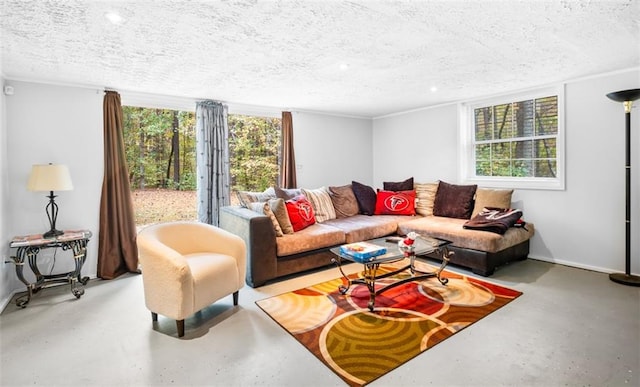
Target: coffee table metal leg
x: 370, y: 276
x: 343, y: 289
x: 445, y: 261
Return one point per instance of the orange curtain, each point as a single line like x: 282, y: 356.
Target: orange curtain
x: 288, y: 164
x: 117, y: 249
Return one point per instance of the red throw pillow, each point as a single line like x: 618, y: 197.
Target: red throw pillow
x: 395, y: 203
x: 300, y: 212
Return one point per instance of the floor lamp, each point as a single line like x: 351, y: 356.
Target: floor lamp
x: 627, y: 97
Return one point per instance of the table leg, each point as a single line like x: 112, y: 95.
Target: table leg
x: 79, y: 249
x: 445, y: 261
x: 343, y: 289
x: 18, y: 261
x: 370, y: 271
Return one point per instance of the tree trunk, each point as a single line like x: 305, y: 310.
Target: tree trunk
x: 141, y: 147
x: 175, y: 147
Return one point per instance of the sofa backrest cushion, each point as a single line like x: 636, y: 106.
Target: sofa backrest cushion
x: 406, y: 185
x: 321, y: 202
x: 344, y: 201
x: 279, y: 209
x: 454, y: 201
x: 425, y: 197
x: 287, y: 193
x: 247, y: 197
x: 498, y: 198
x: 365, y: 196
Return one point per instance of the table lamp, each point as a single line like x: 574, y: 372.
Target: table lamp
x: 50, y: 177
x: 627, y: 97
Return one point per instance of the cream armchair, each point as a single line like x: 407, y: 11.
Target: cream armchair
x: 187, y: 266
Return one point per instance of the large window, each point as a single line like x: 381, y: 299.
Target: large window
x: 161, y: 159
x: 515, y: 141
x: 160, y: 146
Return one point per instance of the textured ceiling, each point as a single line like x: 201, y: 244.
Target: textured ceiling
x: 288, y: 54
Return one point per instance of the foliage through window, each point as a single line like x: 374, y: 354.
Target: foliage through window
x: 516, y: 141
x: 160, y: 148
x: 254, y: 152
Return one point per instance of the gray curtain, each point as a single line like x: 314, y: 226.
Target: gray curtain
x: 212, y: 157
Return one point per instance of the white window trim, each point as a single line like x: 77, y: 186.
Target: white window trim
x: 466, y: 150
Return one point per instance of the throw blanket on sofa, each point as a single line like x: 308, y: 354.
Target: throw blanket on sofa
x: 496, y: 220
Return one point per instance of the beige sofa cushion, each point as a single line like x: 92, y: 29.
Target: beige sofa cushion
x: 363, y: 227
x: 485, y: 197
x: 425, y: 197
x: 247, y: 197
x: 279, y: 209
x: 344, y: 201
x: 313, y: 237
x: 451, y: 230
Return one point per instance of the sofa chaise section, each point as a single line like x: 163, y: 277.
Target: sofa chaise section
x: 480, y: 251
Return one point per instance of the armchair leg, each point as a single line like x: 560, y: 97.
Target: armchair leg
x: 154, y: 316
x: 180, y: 324
x: 235, y: 297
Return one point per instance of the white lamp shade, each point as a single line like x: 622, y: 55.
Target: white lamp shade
x: 49, y: 177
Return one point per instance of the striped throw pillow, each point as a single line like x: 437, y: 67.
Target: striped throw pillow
x: 425, y: 197
x: 321, y: 203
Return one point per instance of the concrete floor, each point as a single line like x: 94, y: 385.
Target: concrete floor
x: 571, y: 327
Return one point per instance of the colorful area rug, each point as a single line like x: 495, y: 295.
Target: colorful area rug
x: 360, y: 346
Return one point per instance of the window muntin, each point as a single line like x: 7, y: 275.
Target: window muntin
x: 514, y: 141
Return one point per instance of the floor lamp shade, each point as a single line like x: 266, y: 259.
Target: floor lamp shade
x: 50, y: 177
x: 627, y: 97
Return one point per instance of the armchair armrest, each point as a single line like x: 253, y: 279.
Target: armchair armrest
x: 167, y: 278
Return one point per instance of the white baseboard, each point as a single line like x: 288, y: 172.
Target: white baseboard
x: 575, y: 264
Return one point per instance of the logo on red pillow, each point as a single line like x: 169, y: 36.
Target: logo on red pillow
x: 396, y: 203
x: 305, y: 210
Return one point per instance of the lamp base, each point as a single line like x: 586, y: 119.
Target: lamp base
x: 52, y: 233
x: 625, y: 279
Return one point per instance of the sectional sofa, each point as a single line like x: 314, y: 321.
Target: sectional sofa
x: 356, y: 212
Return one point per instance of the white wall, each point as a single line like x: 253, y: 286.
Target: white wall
x: 422, y: 144
x: 582, y: 226
x: 60, y: 125
x: 331, y: 150
x: 6, y: 270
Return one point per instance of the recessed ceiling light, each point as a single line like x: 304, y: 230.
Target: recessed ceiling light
x: 344, y: 66
x: 113, y: 17
x: 433, y: 89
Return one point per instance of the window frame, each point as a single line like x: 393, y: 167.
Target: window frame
x: 466, y: 125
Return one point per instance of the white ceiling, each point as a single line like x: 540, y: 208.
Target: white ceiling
x: 287, y: 54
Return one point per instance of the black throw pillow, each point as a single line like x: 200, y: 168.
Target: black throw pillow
x: 365, y: 196
x: 406, y: 185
